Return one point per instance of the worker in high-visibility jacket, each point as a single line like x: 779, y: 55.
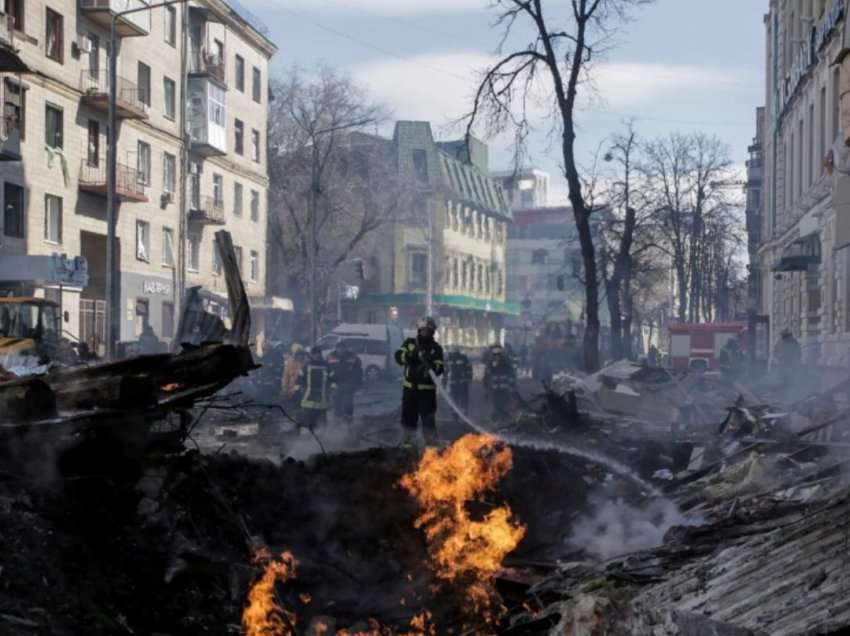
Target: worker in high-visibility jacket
x: 500, y: 383
x: 458, y: 377
x: 420, y: 356
x: 315, y: 385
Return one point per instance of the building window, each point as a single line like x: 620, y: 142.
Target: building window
x: 168, y: 247
x: 822, y: 144
x: 143, y: 315
x: 218, y: 53
x: 237, y: 199
x: 255, y: 87
x: 254, y: 272
x: 239, y: 128
x: 15, y: 10
x: 14, y: 110
x: 169, y: 91
x: 240, y: 73
x: 13, y: 210
x: 194, y: 241
x: 144, y: 83
x: 143, y: 163
x: 238, y: 251
x: 54, y: 41
x: 255, y: 145
x: 418, y: 278
x: 52, y: 218
x: 169, y: 172
x: 170, y: 26
x: 93, y: 152
x: 255, y: 205
x: 538, y: 257
x: 420, y: 165
x: 216, y: 264
x: 53, y: 126
x: 143, y: 241
x: 218, y: 189
x: 167, y: 320
x: 218, y: 110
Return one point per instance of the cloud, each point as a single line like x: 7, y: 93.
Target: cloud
x: 379, y: 7
x: 433, y: 87
x: 630, y: 84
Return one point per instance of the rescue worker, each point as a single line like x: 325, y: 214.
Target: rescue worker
x: 512, y: 357
x: 788, y: 357
x: 348, y: 373
x: 731, y: 359
x: 148, y: 342
x: 315, y: 384
x: 418, y: 356
x: 291, y: 370
x: 500, y: 384
x: 458, y: 376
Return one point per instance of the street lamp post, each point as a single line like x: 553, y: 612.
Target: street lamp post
x: 113, y: 292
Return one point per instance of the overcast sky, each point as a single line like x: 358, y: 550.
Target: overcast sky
x: 681, y: 65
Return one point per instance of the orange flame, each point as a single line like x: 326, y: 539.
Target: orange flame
x: 263, y: 616
x: 458, y: 546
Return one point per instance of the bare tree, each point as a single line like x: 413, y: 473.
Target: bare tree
x: 331, y: 188
x: 688, y: 174
x: 558, y: 57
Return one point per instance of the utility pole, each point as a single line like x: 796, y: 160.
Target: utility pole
x: 429, y: 300
x: 113, y: 289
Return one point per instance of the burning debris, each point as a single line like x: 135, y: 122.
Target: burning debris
x: 263, y: 616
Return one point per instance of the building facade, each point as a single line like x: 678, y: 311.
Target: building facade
x: 199, y: 67
x: 799, y: 268
x: 542, y: 260
x: 456, y: 237
x: 524, y: 189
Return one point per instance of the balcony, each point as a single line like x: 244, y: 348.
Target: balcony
x: 206, y: 210
x: 132, y: 25
x: 128, y: 98
x: 203, y: 63
x: 10, y: 139
x: 10, y: 60
x: 128, y: 183
x: 207, y: 117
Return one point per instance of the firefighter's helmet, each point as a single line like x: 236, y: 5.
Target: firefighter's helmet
x: 426, y: 322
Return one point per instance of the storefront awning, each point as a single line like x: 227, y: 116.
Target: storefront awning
x: 443, y: 300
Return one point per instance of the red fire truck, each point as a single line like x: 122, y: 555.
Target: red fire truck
x: 698, y: 346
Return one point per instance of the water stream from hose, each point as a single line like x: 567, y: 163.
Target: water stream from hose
x: 567, y: 449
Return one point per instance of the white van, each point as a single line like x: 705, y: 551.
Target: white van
x: 375, y: 345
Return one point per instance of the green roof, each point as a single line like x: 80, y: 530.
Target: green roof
x: 474, y: 187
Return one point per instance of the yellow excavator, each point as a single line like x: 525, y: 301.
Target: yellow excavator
x: 29, y: 326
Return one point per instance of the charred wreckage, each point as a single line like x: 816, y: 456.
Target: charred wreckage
x: 632, y: 501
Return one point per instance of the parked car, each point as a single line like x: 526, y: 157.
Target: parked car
x: 373, y: 344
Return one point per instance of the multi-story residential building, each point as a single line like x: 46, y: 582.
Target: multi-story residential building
x: 524, y: 189
x: 801, y: 267
x: 457, y: 237
x: 543, y: 258
x: 754, y: 192
x: 199, y: 67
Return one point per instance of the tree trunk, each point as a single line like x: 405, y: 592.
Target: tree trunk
x: 616, y: 323
x: 628, y: 305
x: 683, y: 289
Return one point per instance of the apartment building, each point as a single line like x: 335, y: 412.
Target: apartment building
x: 799, y: 266
x: 543, y: 255
x: 199, y: 67
x: 458, y: 237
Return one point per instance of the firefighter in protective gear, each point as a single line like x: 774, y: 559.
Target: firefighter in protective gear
x: 419, y: 356
x: 458, y: 376
x: 315, y: 385
x: 500, y: 383
x: 348, y: 373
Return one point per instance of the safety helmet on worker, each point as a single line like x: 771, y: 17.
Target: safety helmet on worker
x: 427, y: 322
x: 296, y: 348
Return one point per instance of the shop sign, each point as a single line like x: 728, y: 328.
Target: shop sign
x: 156, y: 287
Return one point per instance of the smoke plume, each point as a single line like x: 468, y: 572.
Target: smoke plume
x: 615, y: 528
